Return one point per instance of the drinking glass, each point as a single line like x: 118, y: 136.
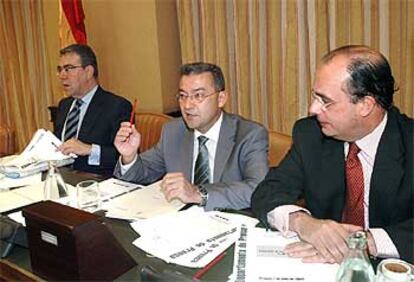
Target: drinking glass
x: 87, y: 195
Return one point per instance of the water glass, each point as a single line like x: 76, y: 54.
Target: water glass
x: 88, y: 196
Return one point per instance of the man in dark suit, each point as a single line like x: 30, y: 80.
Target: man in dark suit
x: 352, y: 161
x: 87, y: 120
x: 219, y: 172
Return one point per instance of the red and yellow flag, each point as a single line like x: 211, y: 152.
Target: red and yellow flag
x: 71, y: 23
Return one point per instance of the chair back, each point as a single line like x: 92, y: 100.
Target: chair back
x: 150, y: 126
x: 7, y: 140
x: 279, y: 145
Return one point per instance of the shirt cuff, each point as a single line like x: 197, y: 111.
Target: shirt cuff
x: 279, y: 218
x: 95, y: 156
x: 125, y: 168
x: 383, y: 243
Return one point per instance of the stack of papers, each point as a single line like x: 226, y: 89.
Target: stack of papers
x: 35, y: 157
x: 190, y: 238
x: 138, y: 202
x: 259, y: 256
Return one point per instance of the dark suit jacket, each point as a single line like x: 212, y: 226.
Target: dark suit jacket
x: 99, y: 126
x: 240, y: 162
x: 315, y: 168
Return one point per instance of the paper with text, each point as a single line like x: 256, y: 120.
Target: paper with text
x: 259, y: 256
x: 143, y: 203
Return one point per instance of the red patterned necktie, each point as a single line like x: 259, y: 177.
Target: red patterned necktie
x: 353, y: 212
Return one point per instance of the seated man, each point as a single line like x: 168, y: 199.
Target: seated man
x: 352, y: 161
x: 207, y: 157
x: 88, y: 120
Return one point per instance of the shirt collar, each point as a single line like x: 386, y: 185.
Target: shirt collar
x: 88, y: 97
x: 370, y: 142
x: 214, y: 132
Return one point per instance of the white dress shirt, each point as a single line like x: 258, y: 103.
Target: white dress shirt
x: 95, y: 156
x: 279, y: 217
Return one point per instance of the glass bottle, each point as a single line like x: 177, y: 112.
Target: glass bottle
x: 356, y: 266
x: 54, y: 187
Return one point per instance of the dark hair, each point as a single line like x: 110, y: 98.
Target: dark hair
x: 370, y: 74
x: 200, y: 67
x: 86, y: 54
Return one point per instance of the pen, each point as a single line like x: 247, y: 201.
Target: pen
x: 209, y: 266
x: 131, y: 118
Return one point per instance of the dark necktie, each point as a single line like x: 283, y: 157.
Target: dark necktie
x: 201, y: 168
x: 354, y: 202
x: 72, y: 121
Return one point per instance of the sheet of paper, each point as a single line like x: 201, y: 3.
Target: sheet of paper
x: 10, y: 200
x: 7, y: 183
x: 143, y: 203
x: 190, y: 238
x: 18, y: 217
x: 112, y: 188
x: 34, y: 158
x: 259, y: 256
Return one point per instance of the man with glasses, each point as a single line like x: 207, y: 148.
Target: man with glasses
x: 87, y: 120
x: 352, y: 161
x: 208, y: 157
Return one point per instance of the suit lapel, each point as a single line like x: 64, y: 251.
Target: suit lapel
x: 62, y: 117
x: 332, y: 176
x: 187, y: 151
x: 388, y: 171
x: 225, y: 145
x: 94, y: 111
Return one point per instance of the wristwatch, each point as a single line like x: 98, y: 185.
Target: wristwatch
x: 204, y: 195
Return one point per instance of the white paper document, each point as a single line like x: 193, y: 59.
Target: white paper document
x: 142, y: 203
x: 27, y: 195
x: 259, y: 256
x: 189, y: 238
x: 41, y: 149
x: 112, y: 188
x: 7, y: 182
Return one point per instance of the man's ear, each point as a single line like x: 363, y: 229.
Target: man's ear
x: 89, y: 71
x: 367, y: 105
x: 222, y: 98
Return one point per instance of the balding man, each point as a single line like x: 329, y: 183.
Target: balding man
x: 352, y: 161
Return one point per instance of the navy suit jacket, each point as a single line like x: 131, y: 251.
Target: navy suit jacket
x: 315, y: 169
x: 99, y: 126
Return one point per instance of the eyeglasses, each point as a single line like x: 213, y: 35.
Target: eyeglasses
x: 324, y: 101
x: 66, y: 68
x: 198, y: 97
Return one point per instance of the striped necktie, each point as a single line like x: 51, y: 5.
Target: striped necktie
x: 354, y: 201
x: 72, y: 121
x: 202, y: 168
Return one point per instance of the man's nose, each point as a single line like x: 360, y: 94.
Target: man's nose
x: 315, y: 108
x: 188, y: 103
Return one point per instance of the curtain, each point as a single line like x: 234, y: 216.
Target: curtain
x: 269, y: 49
x: 25, y: 87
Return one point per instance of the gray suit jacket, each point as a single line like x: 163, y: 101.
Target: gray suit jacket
x: 240, y: 161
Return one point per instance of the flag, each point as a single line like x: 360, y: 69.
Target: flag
x: 75, y: 19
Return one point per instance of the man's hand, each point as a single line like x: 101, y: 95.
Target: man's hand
x: 175, y: 185
x: 127, y: 141
x: 328, y: 237
x: 75, y: 146
x: 305, y: 251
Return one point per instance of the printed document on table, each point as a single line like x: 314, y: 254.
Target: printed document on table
x: 7, y: 182
x: 112, y: 188
x: 143, y: 203
x: 190, y: 238
x: 35, y: 157
x: 259, y: 256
